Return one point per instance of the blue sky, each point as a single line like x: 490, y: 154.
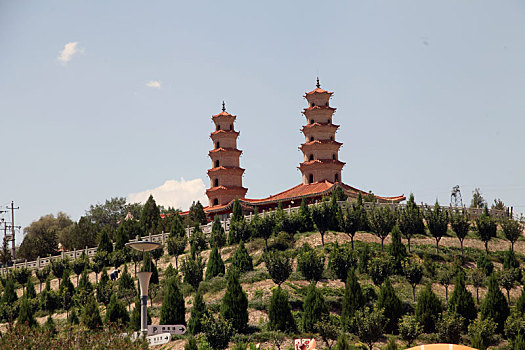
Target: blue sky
x: 429, y: 94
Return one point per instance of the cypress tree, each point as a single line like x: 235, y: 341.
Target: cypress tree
x: 150, y: 216
x: 26, y: 313
x: 192, y: 268
x: 352, y: 301
x: 104, y: 242
x: 215, y: 266
x: 198, y: 310
x: 428, y: 308
x: 495, y: 305
x: 462, y: 302
x: 307, y: 223
x: 314, y: 308
x: 116, y: 312
x: 279, y: 312
x: 66, y: 292
x: 237, y: 211
x: 122, y: 235
x: 397, y: 250
x: 218, y: 237
x: 30, y: 289
x: 234, y: 305
x: 73, y: 318
x: 242, y: 260
x: 392, y: 305
x: 91, y: 315
x: 196, y: 214
x: 148, y: 266
x: 50, y: 325
x: 311, y: 264
x: 173, y: 310
x: 103, y: 289
x: 177, y: 228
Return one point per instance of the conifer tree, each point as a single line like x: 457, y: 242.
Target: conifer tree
x: 148, y: 266
x: 237, y: 211
x: 307, y: 223
x: 91, y: 314
x: 353, y: 300
x: 520, y: 303
x: 462, y: 302
x: 192, y: 268
x: 173, y: 310
x: 397, y: 250
x: 437, y: 222
x: 215, y: 266
x: 314, y: 308
x: 191, y: 344
x: 103, y: 288
x: 50, y: 325
x: 150, y: 216
x: 123, y: 233
x: 242, y: 260
x: 30, y: 289
x: 218, y: 237
x: 337, y: 213
x: 428, y: 308
x: 494, y: 305
x: 279, y: 312
x: 66, y: 292
x: 196, y: 214
x: 279, y: 266
x: 198, y: 311
x: 116, y: 312
x: 382, y: 220
x: 240, y: 230
x: 177, y: 228
x: 25, y: 314
x: 279, y: 217
x: 393, y: 308
x: 234, y: 307
x: 104, y: 241
x: 411, y: 220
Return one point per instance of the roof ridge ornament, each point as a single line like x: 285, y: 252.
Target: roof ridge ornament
x: 318, y: 84
x: 223, y: 107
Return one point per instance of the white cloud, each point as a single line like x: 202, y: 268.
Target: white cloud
x: 153, y: 84
x: 173, y: 193
x: 70, y: 49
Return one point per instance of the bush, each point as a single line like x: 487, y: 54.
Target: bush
x: 279, y: 266
x: 192, y: 271
x: 482, y: 332
x: 311, y: 264
x: 485, y: 264
x: 449, y: 327
x: 369, y: 325
x: 380, y: 269
x: 116, y: 312
x: 410, y: 328
x: 218, y: 331
x: 342, y: 259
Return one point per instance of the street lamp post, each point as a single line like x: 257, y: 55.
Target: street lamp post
x: 144, y: 277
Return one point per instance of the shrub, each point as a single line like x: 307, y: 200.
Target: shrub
x: 482, y: 332
x: 279, y: 266
x: 192, y: 271
x: 218, y: 331
x: 311, y: 264
x: 410, y: 328
x: 341, y: 260
x: 485, y: 264
x: 369, y: 325
x: 449, y: 327
x: 380, y: 269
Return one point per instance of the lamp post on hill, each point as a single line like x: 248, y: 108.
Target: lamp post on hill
x: 144, y: 276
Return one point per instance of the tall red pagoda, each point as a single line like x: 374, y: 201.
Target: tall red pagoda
x: 320, y: 150
x: 225, y: 173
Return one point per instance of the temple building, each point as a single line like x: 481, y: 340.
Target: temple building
x: 321, y: 168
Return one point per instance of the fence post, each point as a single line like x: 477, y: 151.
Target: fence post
x: 163, y: 239
x: 74, y: 253
x: 38, y: 262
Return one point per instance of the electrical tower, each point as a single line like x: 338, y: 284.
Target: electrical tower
x: 455, y: 197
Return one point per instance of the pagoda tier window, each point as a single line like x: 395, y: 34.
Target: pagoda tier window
x: 336, y: 177
x: 311, y: 138
x: 231, y: 126
x: 311, y: 157
x: 312, y: 121
x: 215, y: 201
x: 333, y: 156
x: 217, y: 163
x: 218, y: 127
x: 216, y: 182
x: 312, y: 104
x: 331, y: 138
x: 218, y: 145
x: 310, y: 178
x: 326, y: 104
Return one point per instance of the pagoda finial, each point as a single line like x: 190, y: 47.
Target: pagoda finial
x: 223, y: 106
x: 318, y: 84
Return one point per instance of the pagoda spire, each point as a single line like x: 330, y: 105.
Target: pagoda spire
x: 320, y: 149
x: 225, y: 173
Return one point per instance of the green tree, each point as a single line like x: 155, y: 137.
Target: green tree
x: 191, y: 344
x: 410, y: 220
x: 79, y: 235
x: 198, y: 239
x: 393, y: 308
x: 78, y: 265
x: 410, y: 328
x: 91, y: 314
x: 437, y: 223
x: 494, y: 305
x: 240, y: 230
x: 218, y: 237
x: 369, y: 325
x: 177, y: 228
x: 413, y: 274
x: 342, y: 343
x: 342, y: 259
x: 353, y: 300
x: 42, y: 274
x: 108, y: 214
x: 148, y: 266
x: 514, y: 325
x: 279, y: 266
x: 116, y: 312
x: 264, y: 228
x: 477, y: 200
x: 397, y: 250
x: 351, y: 222
x: 482, y: 332
x: 234, y: 306
x: 314, y: 308
x: 307, y: 223
x: 478, y: 280
x: 126, y: 287
x: 485, y: 264
x: 26, y: 313
x: 486, y: 228
x: 198, y: 311
x: 176, y: 247
x: 446, y: 275
x: 30, y: 289
x: 218, y: 331
x: 461, y: 301
x: 323, y: 217
x: 173, y: 310
x: 382, y: 220
x: 150, y: 216
x: 104, y: 241
x: 58, y: 266
x: 9, y: 296
x: 508, y: 278
x: 103, y: 288
x: 311, y: 264
x: 449, y: 327
x: 380, y: 268
x: 196, y: 214
x: 192, y: 268
x: 512, y: 229
x: 460, y: 225
x: 279, y: 312
x: 215, y: 266
x: 66, y: 293
x: 21, y: 275
x: 428, y: 308
x: 242, y: 260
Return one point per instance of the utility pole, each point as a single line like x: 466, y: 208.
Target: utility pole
x: 12, y: 208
